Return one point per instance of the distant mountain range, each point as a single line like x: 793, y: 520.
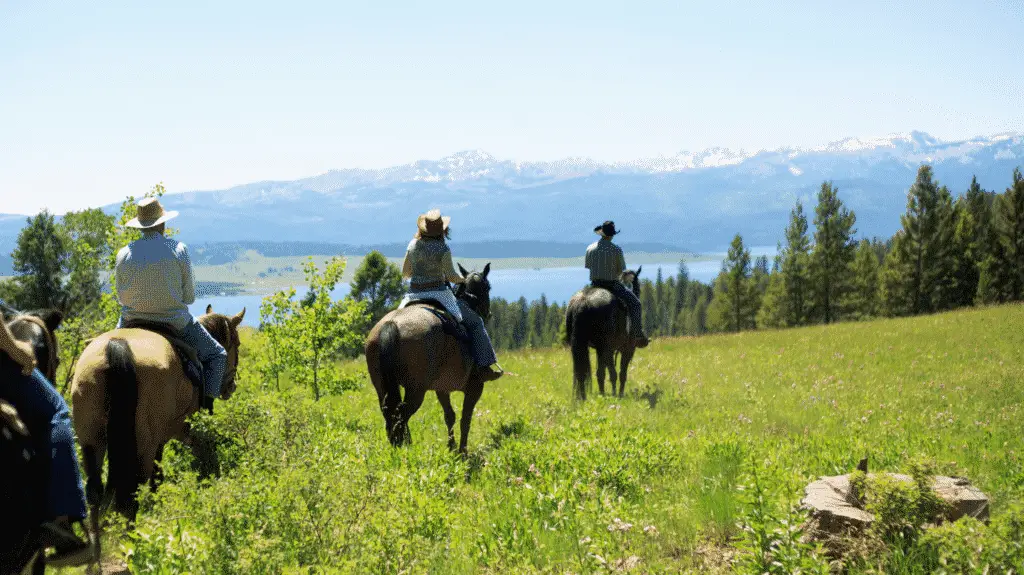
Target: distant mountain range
x: 689, y: 201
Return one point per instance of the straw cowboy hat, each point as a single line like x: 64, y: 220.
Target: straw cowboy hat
x: 21, y: 352
x: 151, y: 214
x: 432, y: 224
x: 606, y: 229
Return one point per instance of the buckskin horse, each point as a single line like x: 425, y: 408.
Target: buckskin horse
x: 594, y: 318
x: 131, y: 396
x: 410, y: 348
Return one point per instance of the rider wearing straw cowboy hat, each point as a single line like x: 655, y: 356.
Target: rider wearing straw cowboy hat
x: 428, y: 266
x: 155, y: 285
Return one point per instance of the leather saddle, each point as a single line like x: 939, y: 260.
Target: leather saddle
x: 190, y: 363
x: 448, y: 323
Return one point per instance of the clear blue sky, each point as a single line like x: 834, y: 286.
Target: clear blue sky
x: 100, y: 99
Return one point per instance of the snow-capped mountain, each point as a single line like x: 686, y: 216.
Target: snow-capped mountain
x: 693, y: 200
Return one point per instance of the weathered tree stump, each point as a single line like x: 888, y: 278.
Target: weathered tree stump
x: 834, y: 508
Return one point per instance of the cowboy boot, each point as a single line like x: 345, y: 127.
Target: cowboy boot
x: 69, y: 549
x: 640, y: 340
x: 489, y: 373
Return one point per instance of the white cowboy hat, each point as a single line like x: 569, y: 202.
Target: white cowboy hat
x: 150, y: 215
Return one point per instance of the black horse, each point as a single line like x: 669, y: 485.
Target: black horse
x: 595, y: 318
x: 24, y: 449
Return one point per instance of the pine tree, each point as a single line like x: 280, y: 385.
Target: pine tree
x: 923, y: 263
x: 758, y: 287
x: 668, y: 307
x: 1007, y: 259
x: 834, y: 249
x: 649, y: 306
x: 731, y: 307
x: 972, y: 216
x: 659, y: 300
x: 794, y: 261
x: 520, y: 329
x: 895, y: 298
x: 773, y: 312
x: 681, y: 297
x: 863, y: 296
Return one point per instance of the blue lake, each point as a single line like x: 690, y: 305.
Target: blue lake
x: 557, y: 284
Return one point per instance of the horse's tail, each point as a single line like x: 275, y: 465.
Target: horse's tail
x: 122, y: 397
x: 390, y: 375
x: 579, y: 341
x: 570, y: 315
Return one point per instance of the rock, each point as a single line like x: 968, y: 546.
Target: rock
x: 833, y: 507
x: 964, y: 499
x: 835, y: 510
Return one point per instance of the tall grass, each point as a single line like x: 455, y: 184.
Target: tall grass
x: 609, y: 485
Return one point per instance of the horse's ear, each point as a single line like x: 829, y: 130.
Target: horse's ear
x: 237, y: 320
x: 638, y: 271
x: 51, y: 317
x: 463, y: 271
x: 487, y: 269
x: 209, y: 308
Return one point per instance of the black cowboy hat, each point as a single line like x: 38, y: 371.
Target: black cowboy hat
x: 606, y: 229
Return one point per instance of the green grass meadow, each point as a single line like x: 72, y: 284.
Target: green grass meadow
x: 552, y: 485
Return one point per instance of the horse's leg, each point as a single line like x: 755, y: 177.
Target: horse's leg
x: 612, y: 371
x: 92, y: 457
x: 627, y: 356
x: 602, y: 367
x: 410, y: 405
x: 445, y: 399
x: 158, y: 469
x: 474, y: 389
x: 580, y: 365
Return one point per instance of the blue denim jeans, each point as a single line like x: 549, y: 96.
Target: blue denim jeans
x: 483, y: 351
x: 46, y: 415
x: 211, y: 354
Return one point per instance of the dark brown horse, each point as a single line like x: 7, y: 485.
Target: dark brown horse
x: 409, y: 348
x: 594, y: 318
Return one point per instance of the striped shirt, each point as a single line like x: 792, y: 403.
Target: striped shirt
x: 155, y: 282
x: 605, y: 261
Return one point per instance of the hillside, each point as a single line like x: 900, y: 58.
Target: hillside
x: 552, y: 486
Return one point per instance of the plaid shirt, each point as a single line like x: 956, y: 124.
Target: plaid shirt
x: 605, y: 261
x: 428, y: 262
x: 154, y: 281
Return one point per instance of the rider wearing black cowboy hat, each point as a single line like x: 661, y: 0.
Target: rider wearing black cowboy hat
x: 606, y: 264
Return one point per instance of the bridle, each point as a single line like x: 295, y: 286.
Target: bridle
x: 473, y: 300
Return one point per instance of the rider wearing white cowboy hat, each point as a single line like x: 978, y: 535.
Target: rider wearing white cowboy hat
x: 155, y: 285
x: 428, y: 266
